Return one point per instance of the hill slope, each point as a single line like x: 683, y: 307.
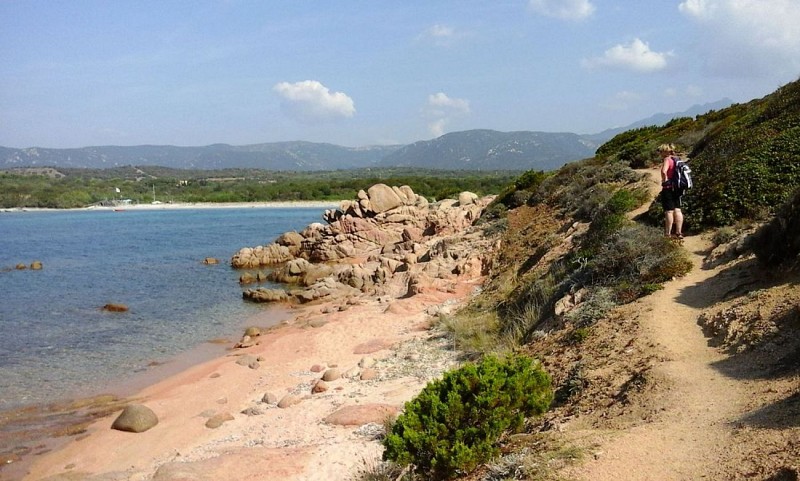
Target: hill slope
x: 492, y: 150
x: 297, y: 156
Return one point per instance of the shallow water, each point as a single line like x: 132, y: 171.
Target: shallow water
x: 55, y: 340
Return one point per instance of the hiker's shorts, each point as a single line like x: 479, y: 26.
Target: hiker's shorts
x: 670, y: 199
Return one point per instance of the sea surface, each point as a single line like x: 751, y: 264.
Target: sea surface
x: 55, y: 340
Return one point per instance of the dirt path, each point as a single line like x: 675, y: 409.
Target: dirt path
x: 694, y: 429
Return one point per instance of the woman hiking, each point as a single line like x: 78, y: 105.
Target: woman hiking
x: 670, y: 194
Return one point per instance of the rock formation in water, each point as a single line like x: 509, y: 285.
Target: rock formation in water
x: 389, y: 241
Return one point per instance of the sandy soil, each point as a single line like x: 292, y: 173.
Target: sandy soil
x: 261, y: 440
x: 693, y: 430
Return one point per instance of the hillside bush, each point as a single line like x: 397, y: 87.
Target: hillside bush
x: 581, y: 187
x: 636, y: 254
x: 778, y: 242
x: 455, y: 423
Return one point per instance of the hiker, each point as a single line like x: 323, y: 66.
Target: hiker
x: 670, y: 194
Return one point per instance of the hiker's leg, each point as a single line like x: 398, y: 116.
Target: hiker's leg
x: 678, y: 218
x: 668, y: 219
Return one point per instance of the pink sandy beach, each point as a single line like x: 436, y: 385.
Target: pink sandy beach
x: 261, y: 441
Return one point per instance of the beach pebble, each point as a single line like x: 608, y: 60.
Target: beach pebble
x: 332, y: 375
x: 319, y: 387
x: 252, y: 411
x: 135, y: 418
x: 289, y: 400
x: 249, y: 361
x: 317, y: 368
x: 269, y: 398
x: 218, y: 420
x: 369, y: 374
x: 366, y: 362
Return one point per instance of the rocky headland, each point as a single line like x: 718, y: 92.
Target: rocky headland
x: 388, y: 242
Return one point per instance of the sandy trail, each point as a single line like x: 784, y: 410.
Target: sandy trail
x: 695, y: 427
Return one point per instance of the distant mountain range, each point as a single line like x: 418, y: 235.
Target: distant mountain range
x: 467, y: 150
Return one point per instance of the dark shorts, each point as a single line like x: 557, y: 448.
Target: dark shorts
x: 670, y: 199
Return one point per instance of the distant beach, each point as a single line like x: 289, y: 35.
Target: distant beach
x: 303, y: 204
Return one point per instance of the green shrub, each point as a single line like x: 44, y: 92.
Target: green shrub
x: 638, y: 254
x: 454, y: 424
x: 578, y: 335
x: 723, y: 235
x: 572, y: 385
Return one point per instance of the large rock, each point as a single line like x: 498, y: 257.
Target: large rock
x: 253, y: 257
x: 383, y: 198
x: 467, y: 198
x: 115, y: 307
x: 262, y: 294
x: 135, y: 418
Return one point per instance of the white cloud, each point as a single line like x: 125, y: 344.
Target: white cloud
x: 441, y: 110
x: 637, y: 56
x: 310, y: 101
x: 563, y: 9
x: 746, y: 38
x: 440, y: 35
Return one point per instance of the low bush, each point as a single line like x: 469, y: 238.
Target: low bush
x: 778, y: 242
x: 594, y: 308
x: 455, y: 423
x: 638, y: 254
x: 723, y: 235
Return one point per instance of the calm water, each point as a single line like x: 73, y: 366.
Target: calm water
x: 56, y: 342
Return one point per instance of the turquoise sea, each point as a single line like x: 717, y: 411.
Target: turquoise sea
x: 55, y: 340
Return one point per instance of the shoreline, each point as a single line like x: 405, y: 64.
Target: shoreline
x: 309, y: 399
x: 293, y: 443
x: 184, y: 205
x: 42, y: 427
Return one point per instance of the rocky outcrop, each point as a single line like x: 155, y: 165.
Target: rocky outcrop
x: 388, y: 241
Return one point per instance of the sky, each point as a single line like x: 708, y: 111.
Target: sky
x: 77, y: 73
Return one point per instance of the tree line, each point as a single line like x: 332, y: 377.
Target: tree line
x: 82, y: 188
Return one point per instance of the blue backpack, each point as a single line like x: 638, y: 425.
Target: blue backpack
x: 681, y: 175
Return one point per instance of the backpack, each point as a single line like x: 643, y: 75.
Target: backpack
x: 681, y: 175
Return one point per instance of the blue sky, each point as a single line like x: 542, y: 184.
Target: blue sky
x: 79, y: 73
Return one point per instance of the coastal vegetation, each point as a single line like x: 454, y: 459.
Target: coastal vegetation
x: 455, y: 422
x: 573, y: 249
x: 75, y: 188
